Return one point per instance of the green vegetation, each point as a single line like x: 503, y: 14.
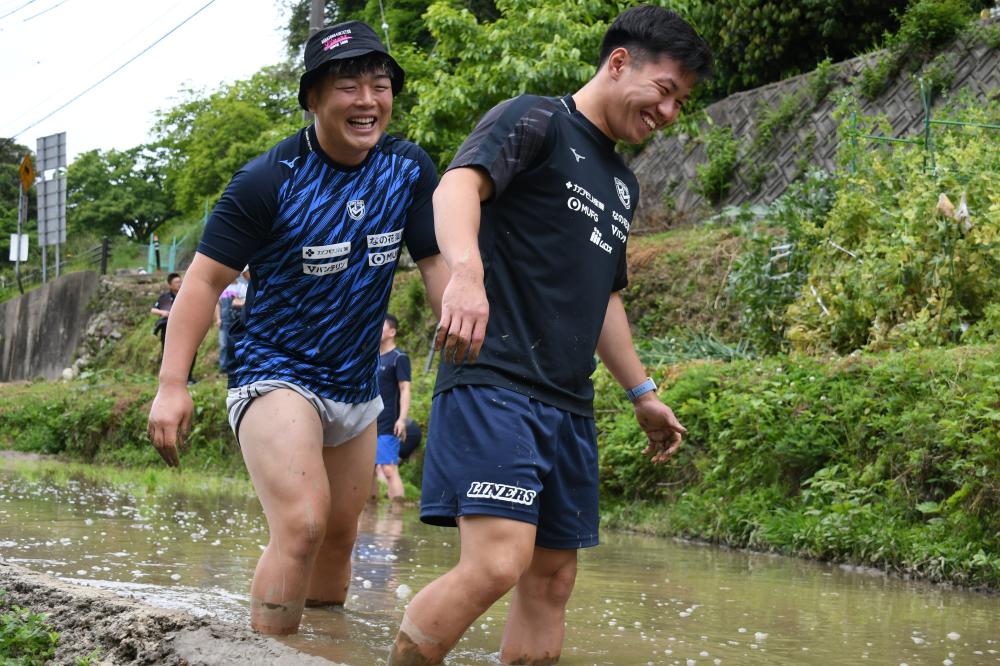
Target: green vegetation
x: 926, y: 26
x: 102, y: 419
x: 25, y: 637
x: 886, y: 460
x: 716, y: 175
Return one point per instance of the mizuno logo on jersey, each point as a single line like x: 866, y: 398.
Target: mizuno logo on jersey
x: 325, y: 251
x: 290, y: 163
x: 501, y: 491
x: 385, y: 240
x: 577, y: 155
x: 383, y: 258
x: 324, y: 269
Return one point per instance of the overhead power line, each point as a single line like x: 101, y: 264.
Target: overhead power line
x: 45, y: 11
x: 14, y: 11
x: 117, y: 69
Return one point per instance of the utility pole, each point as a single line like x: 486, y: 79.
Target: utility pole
x: 316, y: 18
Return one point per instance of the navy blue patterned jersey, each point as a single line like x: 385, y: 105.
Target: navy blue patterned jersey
x: 322, y: 241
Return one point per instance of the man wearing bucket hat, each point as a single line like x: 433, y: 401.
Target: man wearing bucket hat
x: 320, y: 219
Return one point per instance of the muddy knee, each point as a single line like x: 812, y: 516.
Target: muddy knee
x: 300, y: 537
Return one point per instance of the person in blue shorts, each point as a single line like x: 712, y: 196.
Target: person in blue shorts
x: 394, y: 387
x: 321, y: 219
x: 532, y: 217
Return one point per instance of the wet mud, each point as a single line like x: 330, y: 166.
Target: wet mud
x: 112, y: 630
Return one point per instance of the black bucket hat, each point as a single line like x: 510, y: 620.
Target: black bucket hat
x: 340, y: 42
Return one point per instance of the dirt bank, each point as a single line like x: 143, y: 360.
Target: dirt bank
x: 125, y: 631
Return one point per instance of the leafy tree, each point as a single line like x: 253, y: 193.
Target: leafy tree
x: 404, y: 18
x: 11, y: 154
x: 205, y: 140
x: 759, y: 41
x: 534, y: 46
x: 117, y: 192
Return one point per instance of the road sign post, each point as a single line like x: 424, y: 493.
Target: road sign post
x: 52, y: 196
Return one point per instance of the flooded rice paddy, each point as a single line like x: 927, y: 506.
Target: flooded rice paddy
x: 638, y: 600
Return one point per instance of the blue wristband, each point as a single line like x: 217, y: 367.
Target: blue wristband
x: 643, y: 388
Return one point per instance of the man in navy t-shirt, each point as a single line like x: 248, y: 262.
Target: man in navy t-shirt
x: 533, y: 217
x: 394, y: 387
x: 321, y: 219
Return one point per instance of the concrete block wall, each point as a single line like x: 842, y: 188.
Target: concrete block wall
x: 668, y: 164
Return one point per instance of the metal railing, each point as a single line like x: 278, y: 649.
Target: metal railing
x: 926, y: 140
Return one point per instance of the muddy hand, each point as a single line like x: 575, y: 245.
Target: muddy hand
x: 663, y: 431
x: 169, y: 422
x: 464, y: 314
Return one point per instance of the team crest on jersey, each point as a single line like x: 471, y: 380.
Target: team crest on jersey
x: 356, y: 208
x: 623, y: 193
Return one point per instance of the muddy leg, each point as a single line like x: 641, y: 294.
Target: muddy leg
x: 536, y: 624
x: 282, y: 440
x: 495, y: 552
x: 348, y: 468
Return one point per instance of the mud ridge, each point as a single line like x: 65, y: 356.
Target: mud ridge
x: 117, y: 630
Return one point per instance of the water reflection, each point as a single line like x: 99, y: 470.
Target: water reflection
x: 637, y: 601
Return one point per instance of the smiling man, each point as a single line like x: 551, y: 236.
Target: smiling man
x: 532, y: 217
x: 320, y: 219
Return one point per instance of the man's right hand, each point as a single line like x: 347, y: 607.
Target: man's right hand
x: 170, y: 421
x: 464, y: 314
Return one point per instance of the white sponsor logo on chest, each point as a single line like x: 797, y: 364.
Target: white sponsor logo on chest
x: 501, y: 491
x: 383, y: 258
x: 325, y: 251
x: 324, y: 269
x: 385, y: 240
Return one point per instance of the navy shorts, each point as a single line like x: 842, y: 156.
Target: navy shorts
x: 387, y: 450
x: 496, y: 452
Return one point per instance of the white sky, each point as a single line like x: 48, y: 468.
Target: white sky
x: 52, y: 50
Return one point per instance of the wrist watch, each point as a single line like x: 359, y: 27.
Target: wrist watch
x: 643, y: 388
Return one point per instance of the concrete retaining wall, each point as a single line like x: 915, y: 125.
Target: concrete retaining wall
x: 667, y: 168
x: 40, y: 330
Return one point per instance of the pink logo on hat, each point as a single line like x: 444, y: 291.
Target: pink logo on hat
x: 337, y: 39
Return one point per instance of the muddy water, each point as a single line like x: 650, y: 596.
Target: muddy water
x: 637, y: 600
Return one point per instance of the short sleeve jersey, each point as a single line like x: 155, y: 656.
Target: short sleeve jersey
x: 553, y: 240
x: 393, y: 367
x: 322, y: 241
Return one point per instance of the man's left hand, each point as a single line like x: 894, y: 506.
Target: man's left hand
x: 399, y: 429
x: 662, y: 428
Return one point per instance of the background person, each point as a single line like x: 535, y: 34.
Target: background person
x: 161, y: 308
x: 227, y: 310
x: 312, y: 218
x: 512, y: 453
x: 394, y: 386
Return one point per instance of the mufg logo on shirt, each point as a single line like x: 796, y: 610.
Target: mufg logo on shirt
x: 501, y: 491
x: 623, y: 193
x: 376, y: 242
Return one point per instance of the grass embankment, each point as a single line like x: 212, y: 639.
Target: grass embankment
x: 887, y: 460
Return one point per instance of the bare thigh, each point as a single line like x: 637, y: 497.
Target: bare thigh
x: 282, y: 442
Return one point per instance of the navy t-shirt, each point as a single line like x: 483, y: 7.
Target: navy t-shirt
x: 552, y: 239
x: 393, y: 367
x: 322, y: 241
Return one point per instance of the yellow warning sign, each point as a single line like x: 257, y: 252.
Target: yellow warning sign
x: 27, y: 173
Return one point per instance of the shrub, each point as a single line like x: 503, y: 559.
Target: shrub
x: 715, y: 176
x: 25, y: 637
